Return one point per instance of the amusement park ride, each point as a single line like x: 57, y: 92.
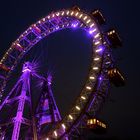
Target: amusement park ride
x: 44, y: 121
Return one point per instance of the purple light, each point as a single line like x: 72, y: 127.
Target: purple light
x: 19, y: 116
x: 49, y: 79
x: 91, y: 31
x: 100, y: 49
x: 57, y: 28
x: 25, y: 70
x: 100, y: 78
x: 74, y: 24
x: 39, y: 37
x: 27, y: 67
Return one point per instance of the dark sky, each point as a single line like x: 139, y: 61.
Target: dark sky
x: 122, y: 112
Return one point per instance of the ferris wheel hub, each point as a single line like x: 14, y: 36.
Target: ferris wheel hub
x: 27, y: 67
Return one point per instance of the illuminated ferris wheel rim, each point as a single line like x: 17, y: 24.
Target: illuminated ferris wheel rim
x: 52, y: 23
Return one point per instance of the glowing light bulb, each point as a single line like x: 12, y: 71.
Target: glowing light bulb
x: 108, y: 62
x: 91, y: 77
x: 85, y: 18
x: 80, y: 15
x: 97, y: 35
x: 95, y: 68
x: 76, y: 14
x: 100, y: 78
x: 70, y: 116
x: 91, y: 31
x: 72, y: 13
x: 63, y: 125
x: 78, y: 108
x: 55, y: 133
x: 97, y: 43
x: 48, y: 17
x: 53, y: 15
x: 96, y: 59
x: 91, y: 25
x: 62, y: 13
x: 57, y: 28
x: 82, y: 97
x: 74, y: 25
x: 68, y: 12
x: 88, y: 21
x: 58, y: 14
x: 99, y: 50
x: 89, y: 88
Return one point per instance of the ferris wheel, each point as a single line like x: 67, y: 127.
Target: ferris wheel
x: 102, y: 72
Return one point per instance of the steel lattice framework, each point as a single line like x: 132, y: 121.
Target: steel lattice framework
x: 97, y: 83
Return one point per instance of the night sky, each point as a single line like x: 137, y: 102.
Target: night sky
x: 68, y: 56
